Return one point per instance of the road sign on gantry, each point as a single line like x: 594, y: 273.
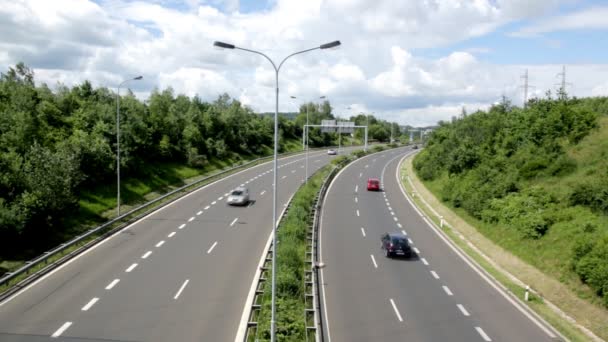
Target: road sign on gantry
x: 328, y: 126
x: 346, y: 127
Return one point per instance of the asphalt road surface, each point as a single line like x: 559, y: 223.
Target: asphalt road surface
x: 434, y: 296
x: 180, y: 274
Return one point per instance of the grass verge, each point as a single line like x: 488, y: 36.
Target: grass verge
x: 495, y: 260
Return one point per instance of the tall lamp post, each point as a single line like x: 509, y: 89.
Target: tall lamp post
x: 305, y: 136
x: 118, y: 140
x: 276, y: 145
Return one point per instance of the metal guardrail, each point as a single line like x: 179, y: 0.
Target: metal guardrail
x: 312, y: 277
x: 95, y: 235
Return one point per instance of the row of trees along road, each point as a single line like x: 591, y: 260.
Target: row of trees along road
x: 57, y: 145
x: 536, y: 179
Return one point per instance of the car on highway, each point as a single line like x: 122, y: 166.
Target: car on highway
x: 415, y: 147
x: 395, y: 244
x: 373, y: 184
x: 332, y: 152
x: 238, y: 196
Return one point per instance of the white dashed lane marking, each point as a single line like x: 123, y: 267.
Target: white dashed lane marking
x: 131, y: 268
x: 358, y: 212
x: 200, y: 212
x: 435, y: 275
x: 112, y: 284
x: 207, y: 207
x: 463, y: 310
x: 89, y: 304
x: 396, y: 310
x: 424, y: 261
x: 182, y: 226
x: 363, y: 231
x: 212, y: 247
x: 374, y: 261
x: 233, y: 222
x: 191, y: 219
x: 447, y: 290
x: 181, y: 289
x: 146, y: 255
x: 483, y: 334
x: 60, y: 331
x: 160, y: 243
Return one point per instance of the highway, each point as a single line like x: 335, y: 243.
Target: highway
x: 433, y: 296
x: 182, y: 273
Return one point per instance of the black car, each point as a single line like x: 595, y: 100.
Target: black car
x: 395, y: 244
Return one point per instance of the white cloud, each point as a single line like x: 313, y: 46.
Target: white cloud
x: 591, y: 18
x: 377, y: 68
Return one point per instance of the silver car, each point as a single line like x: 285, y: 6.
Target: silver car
x: 238, y: 196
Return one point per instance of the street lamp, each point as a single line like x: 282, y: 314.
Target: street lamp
x: 276, y: 146
x: 305, y: 136
x: 118, y: 141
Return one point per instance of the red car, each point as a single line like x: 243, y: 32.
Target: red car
x: 373, y: 184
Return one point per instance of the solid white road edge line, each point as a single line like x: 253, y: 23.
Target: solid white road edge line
x: 469, y: 262
x: 133, y: 224
x: 396, y: 310
x: 60, y: 331
x: 89, y: 304
x: 242, y: 329
x: 181, y: 289
x: 112, y: 284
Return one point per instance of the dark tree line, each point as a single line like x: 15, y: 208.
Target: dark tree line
x: 487, y: 164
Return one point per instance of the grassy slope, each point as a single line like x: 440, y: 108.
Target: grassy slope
x: 552, y: 253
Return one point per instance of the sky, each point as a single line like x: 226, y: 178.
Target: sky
x: 412, y: 62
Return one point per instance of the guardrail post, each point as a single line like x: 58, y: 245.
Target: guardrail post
x: 441, y: 221
x: 527, y: 295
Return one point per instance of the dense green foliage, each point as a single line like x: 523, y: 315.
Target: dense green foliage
x: 58, y: 146
x: 531, y: 173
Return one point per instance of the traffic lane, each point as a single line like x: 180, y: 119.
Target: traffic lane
x: 363, y: 313
x: 220, y: 285
x: 480, y: 299
x: 39, y: 310
x: 385, y: 277
x: 350, y: 292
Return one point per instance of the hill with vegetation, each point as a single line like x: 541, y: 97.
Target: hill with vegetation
x: 533, y: 180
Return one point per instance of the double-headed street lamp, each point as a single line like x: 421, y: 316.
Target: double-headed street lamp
x: 276, y: 146
x: 305, y: 136
x: 118, y: 141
